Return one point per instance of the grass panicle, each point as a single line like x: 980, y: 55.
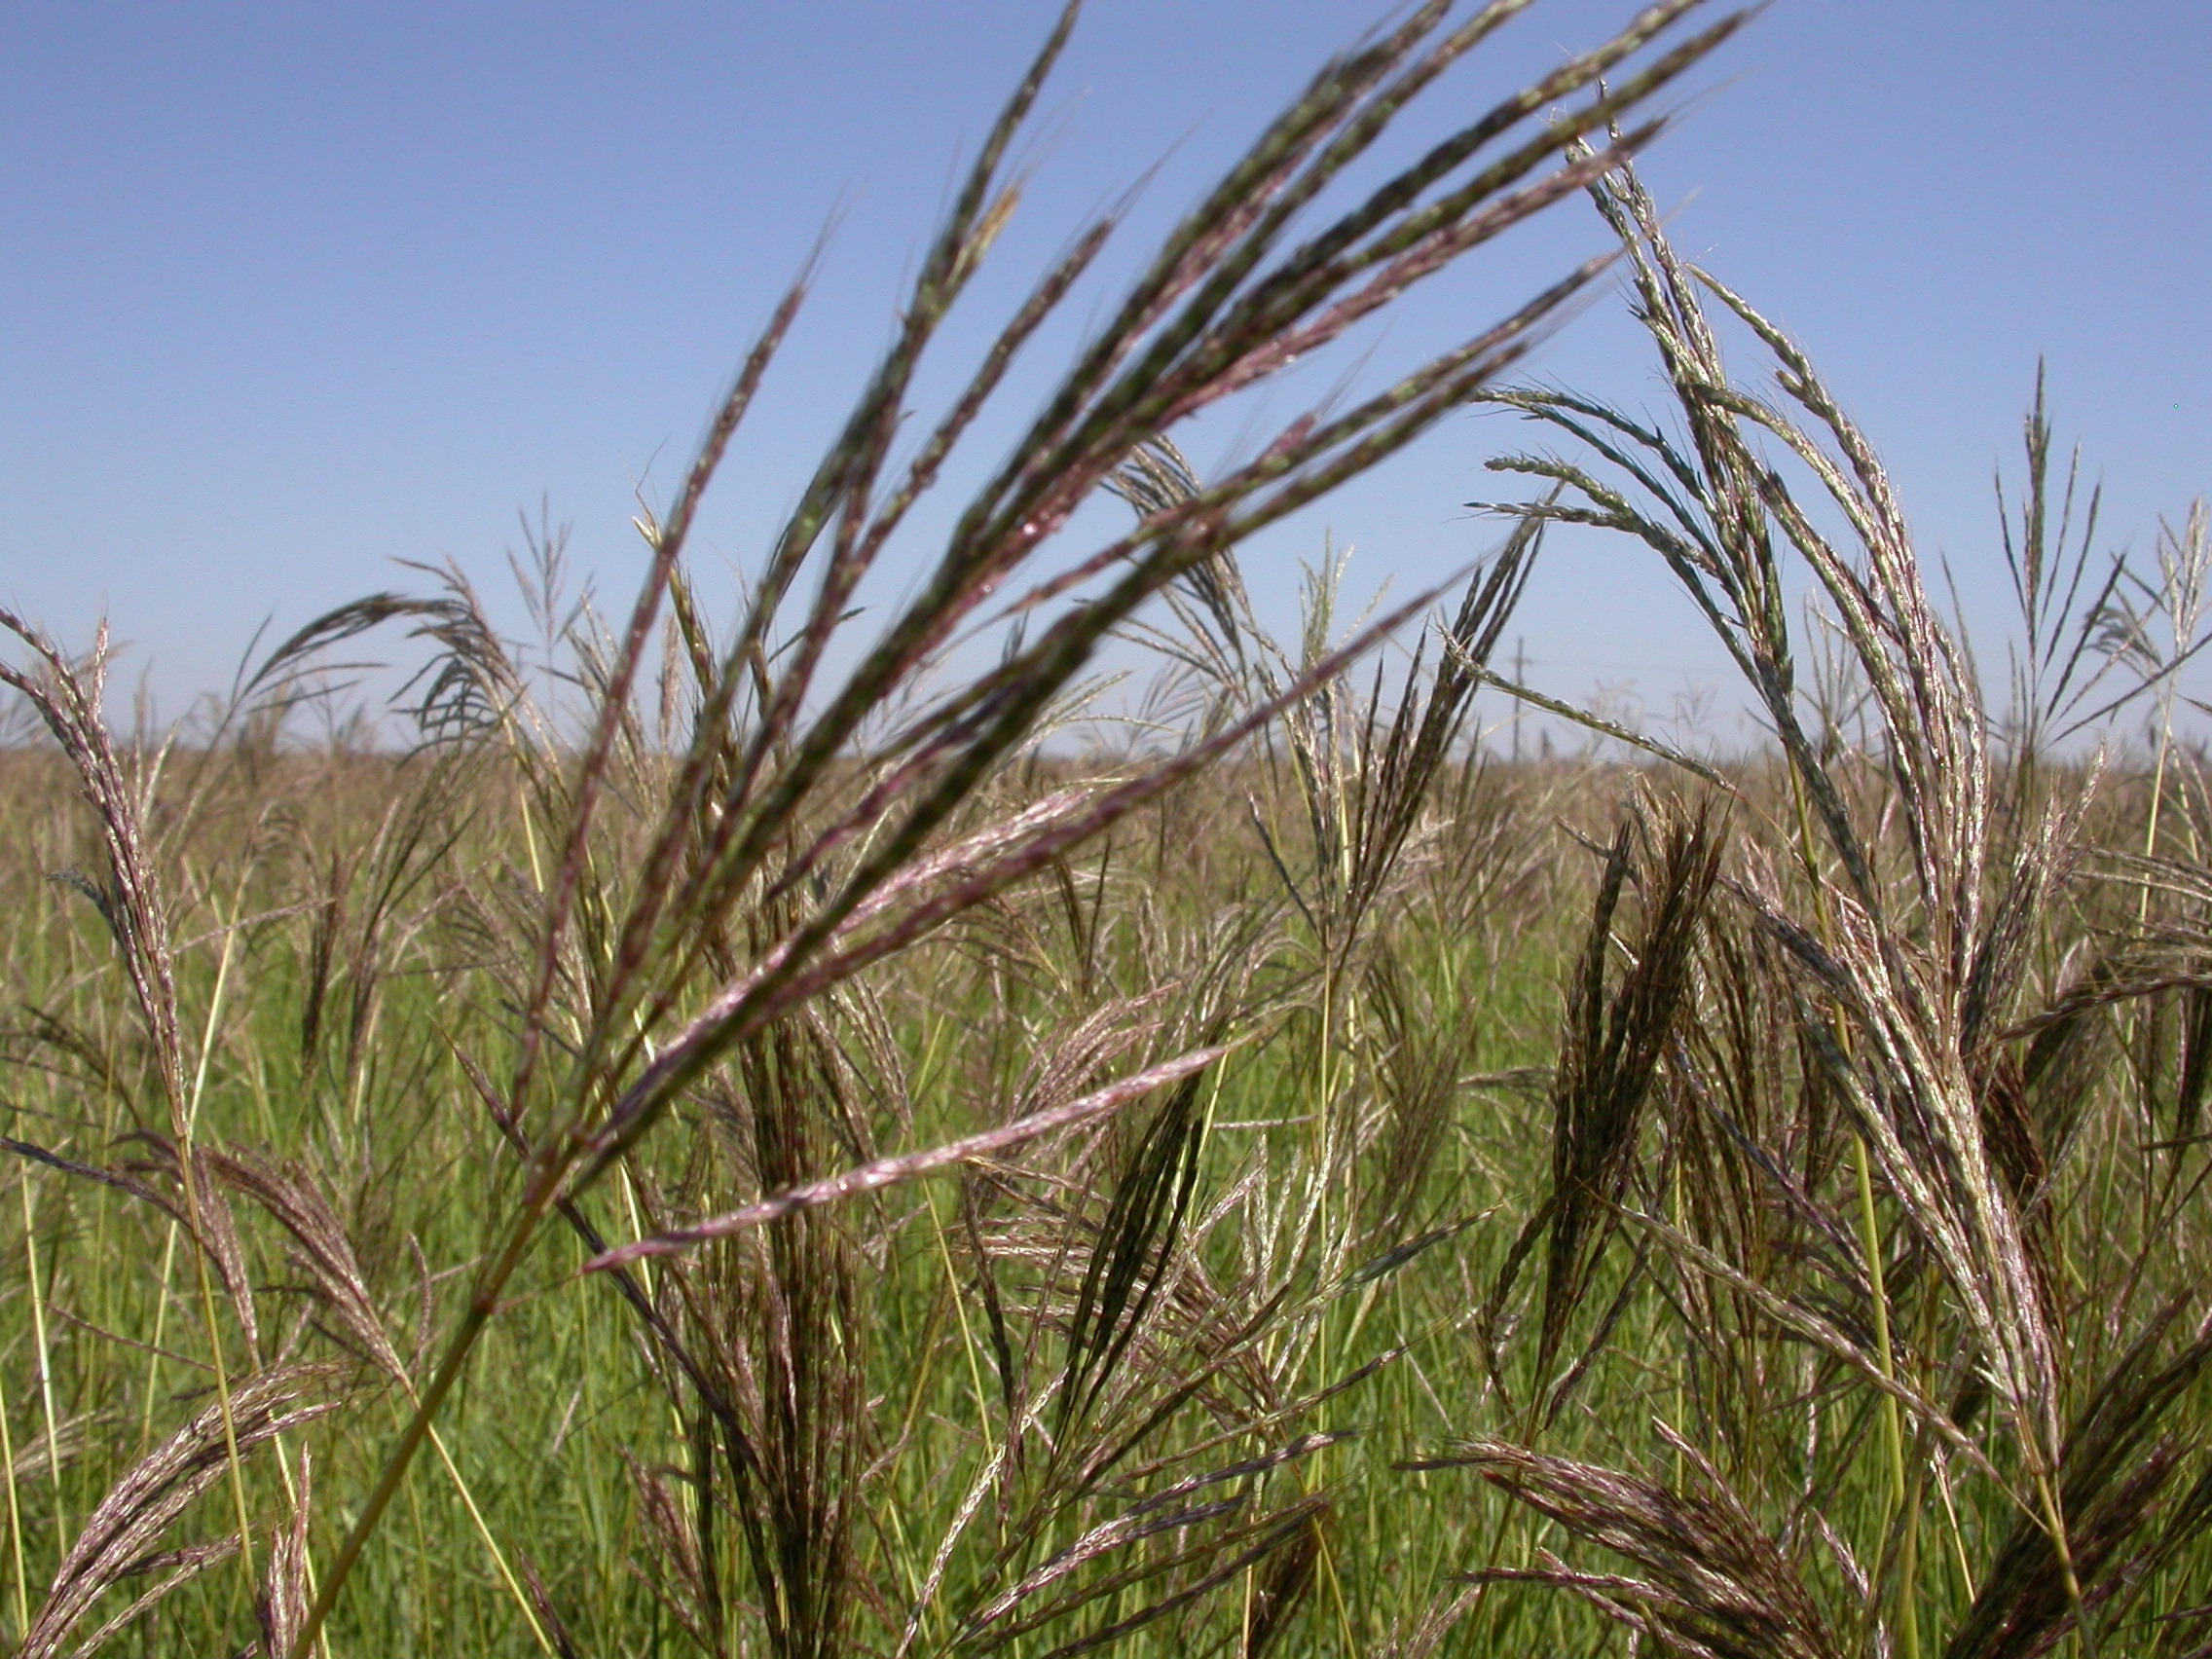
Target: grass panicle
x: 836, y: 1135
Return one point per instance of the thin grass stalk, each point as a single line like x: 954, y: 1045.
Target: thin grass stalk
x: 187, y: 1165
x: 42, y: 1357
x: 1875, y: 1248
x: 15, y: 1510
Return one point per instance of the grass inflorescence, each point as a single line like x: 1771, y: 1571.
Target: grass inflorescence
x: 776, y: 1147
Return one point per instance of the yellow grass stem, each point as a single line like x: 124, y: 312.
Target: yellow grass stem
x: 2055, y: 1522
x: 499, y: 1555
x: 45, y: 1357
x: 188, y: 1174
x: 15, y: 1514
x: 1893, y: 1416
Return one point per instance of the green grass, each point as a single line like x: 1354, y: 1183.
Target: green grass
x: 773, y: 1160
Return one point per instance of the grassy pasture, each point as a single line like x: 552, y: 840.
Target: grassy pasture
x: 762, y: 1162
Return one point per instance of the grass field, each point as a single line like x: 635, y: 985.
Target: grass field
x: 736, y: 1156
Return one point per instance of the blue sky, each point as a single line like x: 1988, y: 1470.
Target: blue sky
x: 290, y: 292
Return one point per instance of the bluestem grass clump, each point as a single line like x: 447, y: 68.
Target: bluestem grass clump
x: 701, y: 924
x: 825, y: 1163
x: 1900, y: 926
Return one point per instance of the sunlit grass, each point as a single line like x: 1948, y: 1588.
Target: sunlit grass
x: 781, y: 1154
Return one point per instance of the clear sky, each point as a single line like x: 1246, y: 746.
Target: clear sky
x: 289, y: 292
